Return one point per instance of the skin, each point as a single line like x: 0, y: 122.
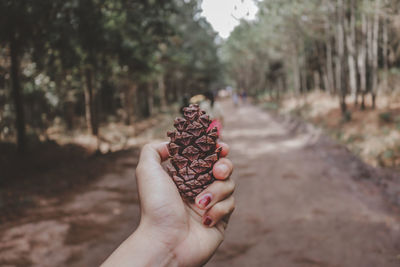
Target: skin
x: 173, y: 232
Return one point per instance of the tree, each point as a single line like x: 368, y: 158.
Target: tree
x: 344, y: 43
x: 22, y: 26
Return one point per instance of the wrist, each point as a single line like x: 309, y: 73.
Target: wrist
x: 159, y: 252
x: 142, y: 248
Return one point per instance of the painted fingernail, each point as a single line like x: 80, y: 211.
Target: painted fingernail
x: 223, y: 169
x: 205, y: 200
x: 207, y: 221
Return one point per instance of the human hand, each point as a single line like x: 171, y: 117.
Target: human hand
x: 171, y: 231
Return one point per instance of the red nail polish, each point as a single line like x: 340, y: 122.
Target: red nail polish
x: 205, y: 200
x: 207, y: 221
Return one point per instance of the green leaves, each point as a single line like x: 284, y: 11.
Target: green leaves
x: 125, y: 44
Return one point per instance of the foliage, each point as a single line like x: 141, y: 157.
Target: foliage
x: 94, y: 59
x: 297, y: 46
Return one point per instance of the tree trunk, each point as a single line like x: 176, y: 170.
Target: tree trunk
x: 90, y: 106
x: 69, y: 107
x: 17, y: 95
x: 142, y: 100
x: 296, y: 72
x: 363, y: 100
x: 325, y: 80
x: 162, y: 92
x: 340, y: 81
x: 362, y: 60
x: 351, y: 57
x: 375, y: 38
x: 329, y: 62
x: 385, y: 40
x: 317, y: 80
x: 129, y: 102
x: 150, y: 98
x: 303, y: 74
x: 369, y: 72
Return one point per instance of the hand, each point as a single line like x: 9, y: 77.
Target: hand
x: 171, y: 231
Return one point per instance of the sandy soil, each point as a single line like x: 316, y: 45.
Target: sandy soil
x: 302, y: 200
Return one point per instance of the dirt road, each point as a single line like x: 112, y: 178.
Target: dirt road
x: 298, y: 203
x: 301, y: 201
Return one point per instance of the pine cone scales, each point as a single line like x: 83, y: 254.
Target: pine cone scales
x: 193, y: 151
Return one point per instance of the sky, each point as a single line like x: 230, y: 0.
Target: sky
x: 224, y: 15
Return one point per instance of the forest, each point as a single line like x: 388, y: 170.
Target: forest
x: 344, y: 47
x: 314, y: 53
x: 307, y: 104
x: 86, y: 63
x: 81, y: 64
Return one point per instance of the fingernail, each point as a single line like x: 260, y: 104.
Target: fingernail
x: 205, y: 200
x: 207, y: 221
x: 222, y: 169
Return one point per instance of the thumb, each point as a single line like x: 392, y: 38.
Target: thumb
x: 155, y: 186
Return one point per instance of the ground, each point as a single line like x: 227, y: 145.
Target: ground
x: 372, y: 134
x: 302, y: 200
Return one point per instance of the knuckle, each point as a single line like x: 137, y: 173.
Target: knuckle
x: 216, y: 210
x: 220, y: 210
x: 227, y: 210
x: 216, y: 185
x: 224, y: 210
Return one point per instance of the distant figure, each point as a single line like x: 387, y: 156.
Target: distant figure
x: 235, y: 99
x: 214, y: 110
x: 185, y: 103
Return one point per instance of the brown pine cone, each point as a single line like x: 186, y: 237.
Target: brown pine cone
x: 193, y: 151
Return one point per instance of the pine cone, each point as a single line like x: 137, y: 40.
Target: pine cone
x: 193, y: 151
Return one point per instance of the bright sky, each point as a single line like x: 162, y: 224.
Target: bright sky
x: 224, y: 15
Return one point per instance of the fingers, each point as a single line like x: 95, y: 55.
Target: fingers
x: 216, y: 192
x: 217, y: 198
x: 225, y: 149
x: 219, y: 211
x: 222, y: 169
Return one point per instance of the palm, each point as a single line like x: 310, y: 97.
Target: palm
x: 179, y: 223
x: 171, y: 231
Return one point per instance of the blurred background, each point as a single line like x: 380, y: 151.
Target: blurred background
x: 306, y: 89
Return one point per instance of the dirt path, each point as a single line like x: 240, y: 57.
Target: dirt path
x: 298, y: 204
